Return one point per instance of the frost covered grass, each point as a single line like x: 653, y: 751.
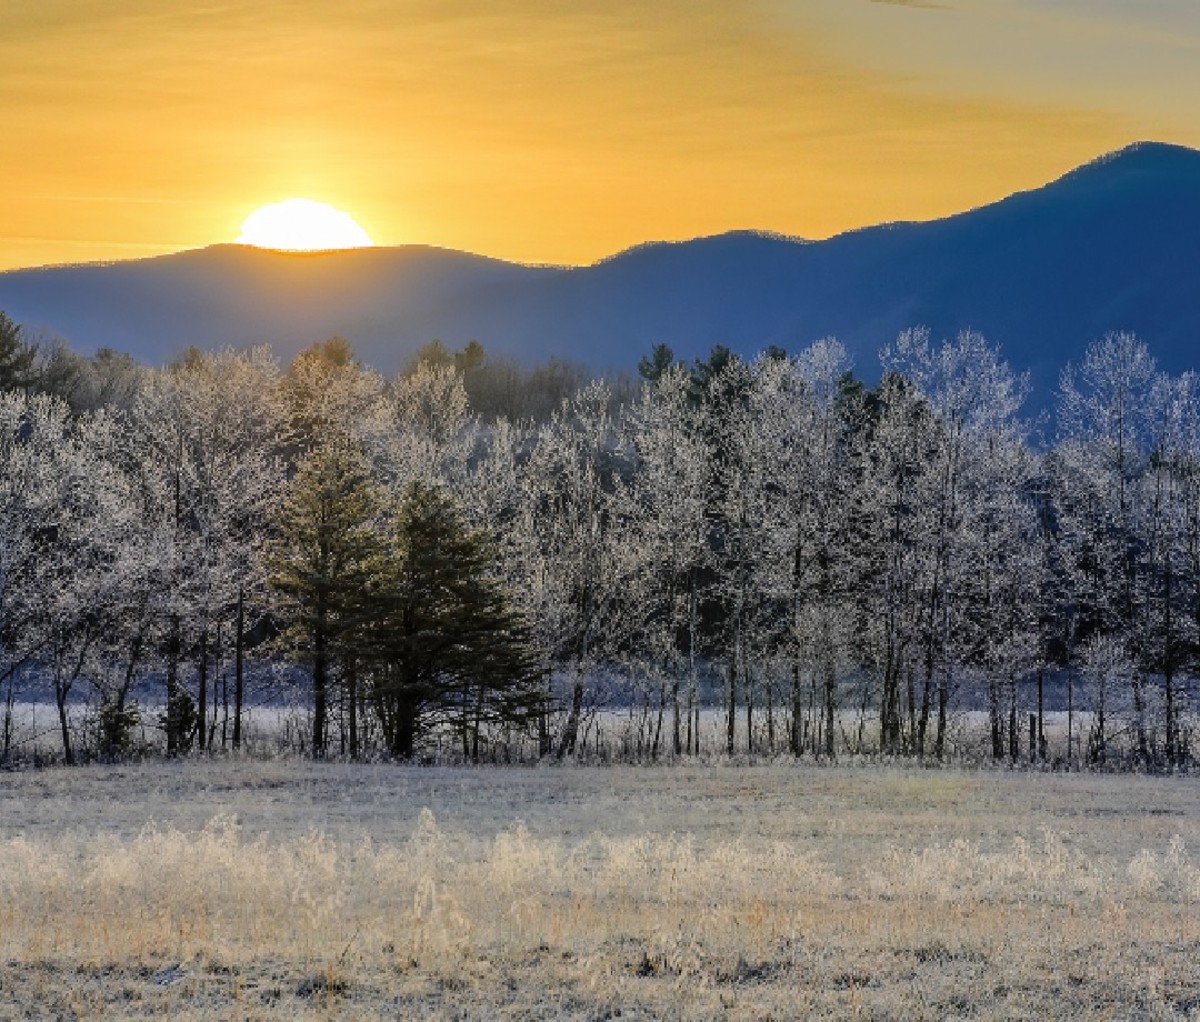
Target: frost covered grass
x: 609, y: 735
x: 286, y: 889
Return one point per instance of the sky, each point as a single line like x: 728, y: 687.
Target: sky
x: 552, y: 131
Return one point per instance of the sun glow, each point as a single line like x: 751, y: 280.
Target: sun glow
x: 301, y: 225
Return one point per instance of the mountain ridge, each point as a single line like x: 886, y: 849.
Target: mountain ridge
x: 1111, y: 245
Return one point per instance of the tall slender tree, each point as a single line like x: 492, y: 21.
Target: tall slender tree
x: 326, y: 555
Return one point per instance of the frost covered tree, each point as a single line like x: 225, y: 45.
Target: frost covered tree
x: 765, y: 455
x: 90, y: 528
x: 814, y: 483
x: 237, y: 422
x: 971, y: 398
x: 1175, y: 625
x: 421, y: 428
x: 205, y: 447
x: 327, y: 392
x: 735, y: 492
x: 820, y: 548
x: 62, y: 520
x: 565, y: 544
x: 999, y: 583
x: 663, y: 550
x: 893, y: 449
x: 1107, y: 430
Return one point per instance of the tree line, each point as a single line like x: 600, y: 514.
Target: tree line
x: 833, y: 568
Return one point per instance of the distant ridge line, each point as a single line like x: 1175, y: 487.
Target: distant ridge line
x: 1112, y: 245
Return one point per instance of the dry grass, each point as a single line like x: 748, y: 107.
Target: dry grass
x: 283, y: 890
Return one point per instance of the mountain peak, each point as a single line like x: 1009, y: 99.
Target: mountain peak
x: 1158, y: 159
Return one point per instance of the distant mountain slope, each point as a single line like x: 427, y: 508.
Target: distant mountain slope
x: 1114, y: 245
x: 233, y: 294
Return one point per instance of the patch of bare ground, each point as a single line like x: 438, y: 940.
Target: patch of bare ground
x: 219, y: 889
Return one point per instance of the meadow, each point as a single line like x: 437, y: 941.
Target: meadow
x: 206, y: 889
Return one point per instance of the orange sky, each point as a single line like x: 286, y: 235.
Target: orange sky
x: 553, y: 131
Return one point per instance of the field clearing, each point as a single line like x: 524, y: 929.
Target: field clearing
x: 285, y: 889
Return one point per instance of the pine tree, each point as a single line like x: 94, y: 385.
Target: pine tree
x: 16, y: 357
x: 324, y: 560
x: 654, y: 366
x: 442, y: 644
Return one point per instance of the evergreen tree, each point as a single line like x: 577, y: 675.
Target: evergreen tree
x: 325, y: 558
x: 442, y: 643
x: 654, y: 366
x: 16, y: 357
x: 471, y: 358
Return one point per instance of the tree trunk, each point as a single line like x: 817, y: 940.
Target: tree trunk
x: 731, y: 715
x: 9, y: 702
x: 748, y: 685
x: 1170, y: 715
x: 320, y: 685
x: 239, y: 645
x: 1098, y: 738
x: 676, y: 722
x: 926, y: 701
x: 795, y: 735
x: 216, y: 694
x: 693, y: 695
x: 405, y: 737
x: 224, y: 711
x: 352, y: 697
x: 658, y: 725
x: 1070, y: 716
x: 544, y: 743
x: 1041, y: 714
x: 770, y: 717
x: 60, y: 699
x: 943, y: 705
x: 476, y: 724
x: 566, y: 744
x: 202, y: 692
x: 1171, y: 738
x: 174, y: 724
x: 995, y: 719
x: 911, y: 690
x: 889, y: 706
x: 1139, y: 710
x: 1014, y: 737
x: 830, y: 704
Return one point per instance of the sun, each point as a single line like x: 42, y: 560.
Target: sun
x: 301, y: 225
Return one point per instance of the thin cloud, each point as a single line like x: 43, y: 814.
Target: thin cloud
x: 928, y: 5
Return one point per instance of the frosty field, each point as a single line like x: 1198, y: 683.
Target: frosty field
x: 263, y: 890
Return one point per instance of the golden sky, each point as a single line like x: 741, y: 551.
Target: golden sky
x: 557, y: 131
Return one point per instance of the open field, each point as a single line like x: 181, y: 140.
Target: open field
x: 263, y: 890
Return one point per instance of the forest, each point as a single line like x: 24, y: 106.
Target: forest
x: 471, y: 560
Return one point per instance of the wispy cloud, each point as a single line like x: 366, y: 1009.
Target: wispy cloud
x: 928, y: 5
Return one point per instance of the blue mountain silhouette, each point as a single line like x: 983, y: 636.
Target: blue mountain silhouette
x: 1113, y: 245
